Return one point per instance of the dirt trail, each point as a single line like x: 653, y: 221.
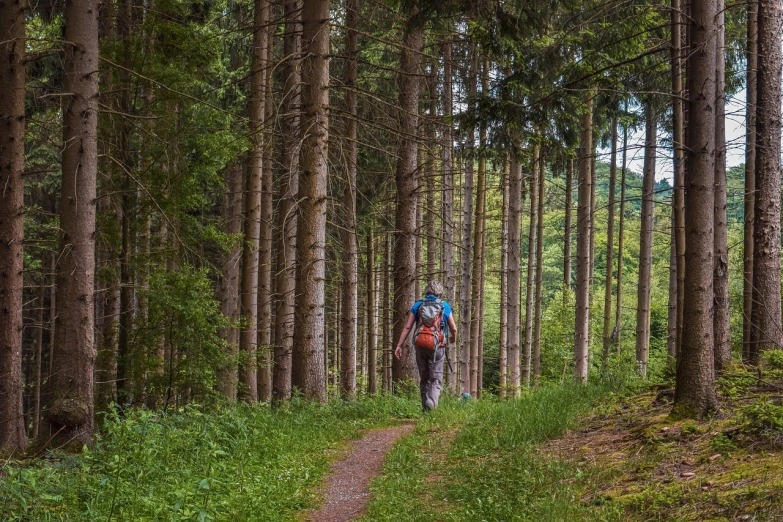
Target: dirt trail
x: 346, y: 490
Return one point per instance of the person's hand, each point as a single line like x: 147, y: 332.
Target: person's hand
x: 398, y: 352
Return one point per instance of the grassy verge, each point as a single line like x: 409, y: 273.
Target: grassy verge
x: 479, y: 461
x: 234, y: 463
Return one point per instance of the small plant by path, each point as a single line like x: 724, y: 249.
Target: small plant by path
x: 346, y: 490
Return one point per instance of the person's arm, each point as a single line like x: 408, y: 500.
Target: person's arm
x: 404, y: 335
x: 452, y: 330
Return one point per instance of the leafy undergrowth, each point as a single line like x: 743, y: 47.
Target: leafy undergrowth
x: 233, y: 463
x: 477, y: 460
x: 627, y: 459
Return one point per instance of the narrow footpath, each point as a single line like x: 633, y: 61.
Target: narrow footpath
x: 346, y: 491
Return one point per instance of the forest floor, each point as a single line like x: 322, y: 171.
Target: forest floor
x: 562, y: 455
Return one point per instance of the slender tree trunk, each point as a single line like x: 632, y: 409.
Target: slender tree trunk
x: 70, y: 389
x: 539, y: 268
x: 751, y: 93
x: 584, y: 221
x: 12, y: 115
x: 478, y: 253
x: 610, y: 247
x: 407, y: 180
x: 513, y: 279
x: 432, y: 240
x: 671, y: 326
x: 569, y: 202
x: 645, y: 241
x: 387, y: 309
x: 766, y: 330
x: 265, y: 243
x: 228, y: 376
x: 448, y: 204
x: 722, y: 335
x: 287, y: 209
x: 465, y: 259
x: 531, y: 266
x: 503, y: 364
x: 309, y: 346
x: 593, y: 173
x: 248, y: 336
x: 37, y: 379
x: 678, y: 140
x: 618, y: 314
x: 695, y: 389
x: 350, y: 261
x: 372, y: 334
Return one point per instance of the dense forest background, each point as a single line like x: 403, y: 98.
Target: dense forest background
x: 210, y: 200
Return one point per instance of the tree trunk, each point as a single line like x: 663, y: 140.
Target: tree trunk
x: 248, y: 336
x: 70, y: 389
x: 265, y: 243
x: 309, y: 345
x: 350, y: 258
x: 531, y: 266
x: 618, y: 314
x: 463, y: 339
x: 645, y: 241
x: 229, y: 282
x: 478, y: 253
x: 513, y: 279
x: 610, y: 246
x: 503, y: 364
x: 722, y: 334
x: 372, y: 309
x: 766, y: 330
x: 584, y: 221
x: 751, y: 93
x: 539, y: 269
x: 432, y: 240
x: 678, y: 139
x: 671, y: 325
x: 286, y: 215
x: 448, y: 204
x: 569, y: 202
x: 695, y: 389
x: 387, y: 308
x: 12, y: 78
x: 407, y: 181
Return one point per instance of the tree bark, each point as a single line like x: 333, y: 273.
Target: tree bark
x: 432, y: 212
x: 503, y: 364
x: 265, y: 242
x: 671, y: 325
x: 286, y: 215
x: 372, y: 318
x: 448, y: 203
x: 531, y: 266
x: 751, y: 93
x: 539, y: 268
x: 695, y: 390
x: 645, y: 241
x: 228, y: 376
x: 720, y: 284
x: 678, y: 143
x: 350, y: 268
x: 12, y: 115
x: 766, y: 330
x: 309, y: 345
x: 610, y: 246
x: 248, y: 335
x: 69, y: 414
x: 407, y: 181
x: 618, y: 314
x: 387, y: 320
x: 584, y: 222
x: 465, y: 259
x: 569, y: 201
x: 513, y: 279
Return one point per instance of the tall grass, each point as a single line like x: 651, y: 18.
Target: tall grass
x: 492, y: 470
x: 233, y: 463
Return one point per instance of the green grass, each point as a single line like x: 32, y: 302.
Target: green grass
x: 478, y: 461
x: 232, y: 463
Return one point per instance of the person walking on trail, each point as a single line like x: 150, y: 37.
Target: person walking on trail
x: 429, y: 318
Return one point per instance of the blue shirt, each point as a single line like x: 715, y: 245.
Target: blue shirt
x: 446, y: 312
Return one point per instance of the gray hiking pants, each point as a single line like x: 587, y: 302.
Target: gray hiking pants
x: 430, y: 363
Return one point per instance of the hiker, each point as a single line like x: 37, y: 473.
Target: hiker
x: 430, y: 316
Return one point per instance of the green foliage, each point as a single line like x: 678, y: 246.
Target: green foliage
x: 235, y: 462
x: 764, y: 418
